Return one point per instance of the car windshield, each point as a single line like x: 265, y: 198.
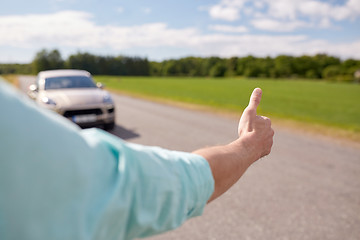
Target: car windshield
x: 69, y: 82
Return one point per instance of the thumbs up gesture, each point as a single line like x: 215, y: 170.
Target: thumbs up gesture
x: 255, y: 130
x: 229, y: 162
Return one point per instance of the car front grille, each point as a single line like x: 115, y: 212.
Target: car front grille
x: 71, y: 113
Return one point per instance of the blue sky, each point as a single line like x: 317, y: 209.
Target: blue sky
x: 160, y: 29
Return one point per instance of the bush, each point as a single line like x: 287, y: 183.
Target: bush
x: 218, y: 70
x: 331, y: 72
x: 345, y: 78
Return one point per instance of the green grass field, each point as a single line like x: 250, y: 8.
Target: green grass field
x: 329, y: 104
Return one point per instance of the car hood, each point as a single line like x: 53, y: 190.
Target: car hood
x: 75, y: 97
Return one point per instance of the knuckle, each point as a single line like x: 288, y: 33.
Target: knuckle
x: 250, y: 111
x: 267, y: 120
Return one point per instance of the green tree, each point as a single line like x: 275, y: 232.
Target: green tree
x: 170, y: 68
x: 47, y: 60
x: 331, y: 72
x: 322, y: 61
x: 231, y: 66
x: 218, y: 70
x: 265, y: 67
x: 350, y: 66
x: 209, y: 63
x: 284, y: 66
x: 305, y: 66
x: 155, y: 68
x: 83, y: 61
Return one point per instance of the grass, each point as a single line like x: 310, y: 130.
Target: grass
x: 329, y: 108
x: 330, y: 105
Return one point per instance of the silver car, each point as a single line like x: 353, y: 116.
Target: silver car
x: 74, y: 95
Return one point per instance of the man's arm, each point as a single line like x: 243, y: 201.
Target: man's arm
x: 60, y: 182
x: 228, y: 163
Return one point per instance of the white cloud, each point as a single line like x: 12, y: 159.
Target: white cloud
x: 354, y: 5
x: 287, y: 14
x: 228, y: 10
x: 325, y: 23
x: 30, y: 30
x: 77, y: 30
x: 278, y: 26
x: 320, y: 10
x: 225, y: 13
x: 283, y: 9
x: 228, y: 28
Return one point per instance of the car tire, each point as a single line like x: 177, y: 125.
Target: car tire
x: 109, y: 126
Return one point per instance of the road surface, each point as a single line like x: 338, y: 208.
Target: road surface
x: 308, y: 188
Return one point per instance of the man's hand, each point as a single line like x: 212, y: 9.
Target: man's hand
x: 255, y: 131
x: 229, y: 162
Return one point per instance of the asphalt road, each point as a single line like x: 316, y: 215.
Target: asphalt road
x: 307, y: 188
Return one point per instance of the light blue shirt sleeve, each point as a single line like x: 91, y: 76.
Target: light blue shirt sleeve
x: 60, y: 182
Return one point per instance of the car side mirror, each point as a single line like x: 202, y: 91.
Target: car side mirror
x: 100, y: 85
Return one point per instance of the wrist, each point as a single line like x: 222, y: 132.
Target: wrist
x: 245, y: 150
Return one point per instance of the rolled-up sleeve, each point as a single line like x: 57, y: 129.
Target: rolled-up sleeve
x: 60, y: 182
x: 158, y: 189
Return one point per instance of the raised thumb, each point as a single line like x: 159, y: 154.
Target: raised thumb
x: 255, y: 99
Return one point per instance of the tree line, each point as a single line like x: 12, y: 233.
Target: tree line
x: 320, y: 66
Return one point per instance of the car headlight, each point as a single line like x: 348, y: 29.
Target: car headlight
x: 48, y: 101
x: 107, y: 99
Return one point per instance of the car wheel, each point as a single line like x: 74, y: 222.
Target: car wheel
x: 109, y: 126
